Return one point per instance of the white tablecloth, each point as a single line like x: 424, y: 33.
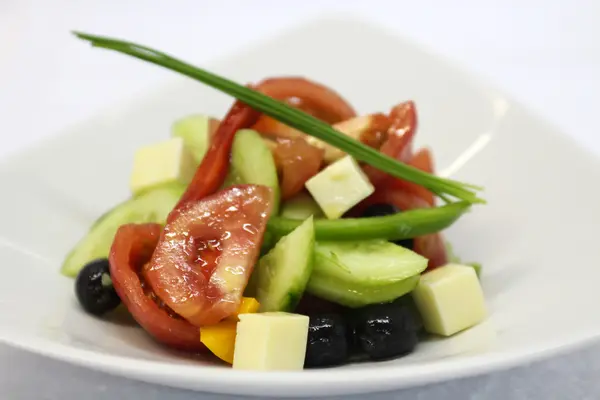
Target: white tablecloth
x: 544, y: 53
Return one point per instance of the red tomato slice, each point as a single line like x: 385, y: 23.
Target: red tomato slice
x: 312, y: 97
x: 131, y: 250
x: 422, y: 160
x: 433, y: 248
x: 297, y: 162
x: 398, y: 144
x: 205, y: 255
x: 214, y: 166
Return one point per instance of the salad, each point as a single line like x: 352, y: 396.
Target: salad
x: 290, y: 233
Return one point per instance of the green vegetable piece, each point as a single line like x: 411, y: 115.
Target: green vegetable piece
x: 195, y: 132
x: 358, y: 273
x: 405, y: 225
x: 301, y: 207
x: 150, y: 206
x: 253, y: 163
x: 281, y: 275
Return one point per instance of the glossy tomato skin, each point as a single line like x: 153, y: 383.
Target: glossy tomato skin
x: 297, y: 161
x: 132, y: 248
x: 399, y: 140
x: 203, y: 260
x: 213, y: 169
x: 422, y: 159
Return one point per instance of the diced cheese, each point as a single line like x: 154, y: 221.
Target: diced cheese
x: 339, y: 187
x: 271, y: 341
x: 163, y: 162
x: 450, y: 299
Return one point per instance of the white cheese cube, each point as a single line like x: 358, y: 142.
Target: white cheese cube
x: 450, y: 299
x: 339, y: 187
x: 163, y: 162
x: 271, y: 341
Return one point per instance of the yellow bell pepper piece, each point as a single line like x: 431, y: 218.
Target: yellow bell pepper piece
x: 220, y: 338
x: 249, y: 305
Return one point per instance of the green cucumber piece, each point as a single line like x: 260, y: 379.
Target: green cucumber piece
x: 404, y: 225
x: 150, y: 206
x: 253, y: 163
x: 301, y: 207
x: 282, y: 274
x: 357, y: 273
x: 195, y: 132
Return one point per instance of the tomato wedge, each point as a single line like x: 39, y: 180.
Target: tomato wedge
x: 313, y: 98
x: 214, y: 166
x: 131, y: 250
x: 203, y: 260
x: 423, y: 160
x: 399, y: 140
x: 297, y: 161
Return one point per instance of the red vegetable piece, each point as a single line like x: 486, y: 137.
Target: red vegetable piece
x: 422, y: 160
x: 398, y: 144
x: 213, y: 169
x: 131, y: 250
x: 205, y: 255
x: 297, y: 161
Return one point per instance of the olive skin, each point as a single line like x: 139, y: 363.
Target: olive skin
x: 384, y: 331
x: 94, y: 290
x: 327, y: 344
x: 382, y: 210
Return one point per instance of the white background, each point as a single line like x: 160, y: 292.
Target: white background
x: 546, y: 54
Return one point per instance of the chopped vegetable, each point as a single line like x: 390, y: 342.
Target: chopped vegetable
x: 252, y: 163
x: 450, y: 299
x: 283, y: 273
x: 301, y: 207
x: 405, y: 225
x: 94, y: 289
x: 151, y: 206
x: 297, y: 162
x: 202, y: 263
x: 220, y: 338
x: 196, y: 131
x: 130, y: 252
x: 366, y: 272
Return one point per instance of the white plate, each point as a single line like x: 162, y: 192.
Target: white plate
x: 536, y: 238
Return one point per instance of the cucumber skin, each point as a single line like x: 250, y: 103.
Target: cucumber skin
x: 98, y: 240
x: 333, y: 280
x: 249, y: 143
x: 302, y: 237
x: 194, y: 130
x: 404, y: 225
x: 355, y: 296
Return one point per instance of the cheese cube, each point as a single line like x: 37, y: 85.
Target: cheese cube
x: 339, y: 187
x: 450, y: 299
x: 271, y: 341
x: 163, y: 162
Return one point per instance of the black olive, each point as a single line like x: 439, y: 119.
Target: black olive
x: 94, y: 289
x: 382, y: 210
x: 327, y: 343
x: 383, y: 331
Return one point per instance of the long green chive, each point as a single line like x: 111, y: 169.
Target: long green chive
x: 294, y: 118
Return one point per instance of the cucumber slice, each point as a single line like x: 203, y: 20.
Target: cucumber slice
x: 253, y: 163
x: 301, y: 207
x: 282, y: 274
x: 358, y: 273
x: 195, y: 131
x: 151, y: 206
